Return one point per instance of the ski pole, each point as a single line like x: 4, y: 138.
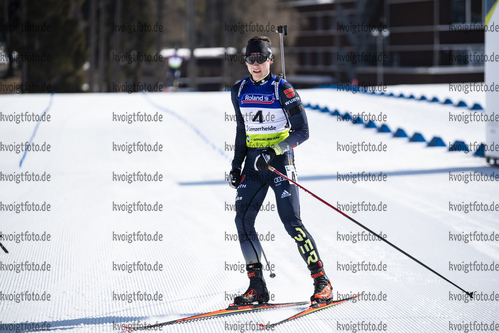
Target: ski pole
x: 280, y: 30
x: 1, y: 245
x: 272, y: 274
x: 470, y: 294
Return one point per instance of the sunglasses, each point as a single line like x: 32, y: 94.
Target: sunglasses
x: 258, y: 58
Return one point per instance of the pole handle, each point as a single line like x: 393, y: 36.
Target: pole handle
x: 282, y: 29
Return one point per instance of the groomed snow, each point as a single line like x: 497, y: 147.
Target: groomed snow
x: 201, y: 263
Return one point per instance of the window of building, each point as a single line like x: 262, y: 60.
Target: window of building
x: 318, y: 23
x: 328, y: 58
x: 327, y: 22
x: 477, y: 11
x: 312, y: 23
x: 314, y: 59
x: 305, y: 58
x: 467, y: 11
x: 459, y: 11
x: 320, y: 59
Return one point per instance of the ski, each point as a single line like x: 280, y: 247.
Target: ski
x: 230, y: 310
x: 313, y: 308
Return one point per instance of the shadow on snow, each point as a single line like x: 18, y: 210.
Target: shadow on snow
x: 485, y: 170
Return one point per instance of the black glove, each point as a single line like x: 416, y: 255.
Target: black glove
x: 262, y: 161
x: 234, y: 177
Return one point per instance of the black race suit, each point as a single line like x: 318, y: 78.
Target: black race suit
x: 269, y: 114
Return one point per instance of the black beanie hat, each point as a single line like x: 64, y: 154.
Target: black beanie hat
x: 258, y: 47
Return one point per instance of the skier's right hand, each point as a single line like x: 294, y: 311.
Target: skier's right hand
x: 234, y: 177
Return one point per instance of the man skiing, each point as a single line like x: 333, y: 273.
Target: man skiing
x: 271, y: 122
x: 173, y: 73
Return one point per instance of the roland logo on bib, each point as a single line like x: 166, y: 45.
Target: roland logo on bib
x: 257, y: 98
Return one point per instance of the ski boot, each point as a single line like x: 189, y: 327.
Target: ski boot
x: 257, y: 290
x: 323, y: 292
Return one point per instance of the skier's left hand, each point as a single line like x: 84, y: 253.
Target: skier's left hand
x: 262, y: 161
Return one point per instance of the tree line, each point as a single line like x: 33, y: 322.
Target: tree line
x: 97, y: 45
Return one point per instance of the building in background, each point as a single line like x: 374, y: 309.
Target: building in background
x: 388, y: 41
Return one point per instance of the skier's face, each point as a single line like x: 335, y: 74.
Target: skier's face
x: 259, y: 71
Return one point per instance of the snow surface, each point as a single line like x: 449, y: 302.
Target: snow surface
x: 196, y: 222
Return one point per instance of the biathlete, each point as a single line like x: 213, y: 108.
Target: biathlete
x: 271, y: 122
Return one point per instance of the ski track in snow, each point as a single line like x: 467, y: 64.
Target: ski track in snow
x: 197, y: 219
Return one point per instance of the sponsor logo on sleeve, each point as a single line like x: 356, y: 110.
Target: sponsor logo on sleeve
x: 289, y: 93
